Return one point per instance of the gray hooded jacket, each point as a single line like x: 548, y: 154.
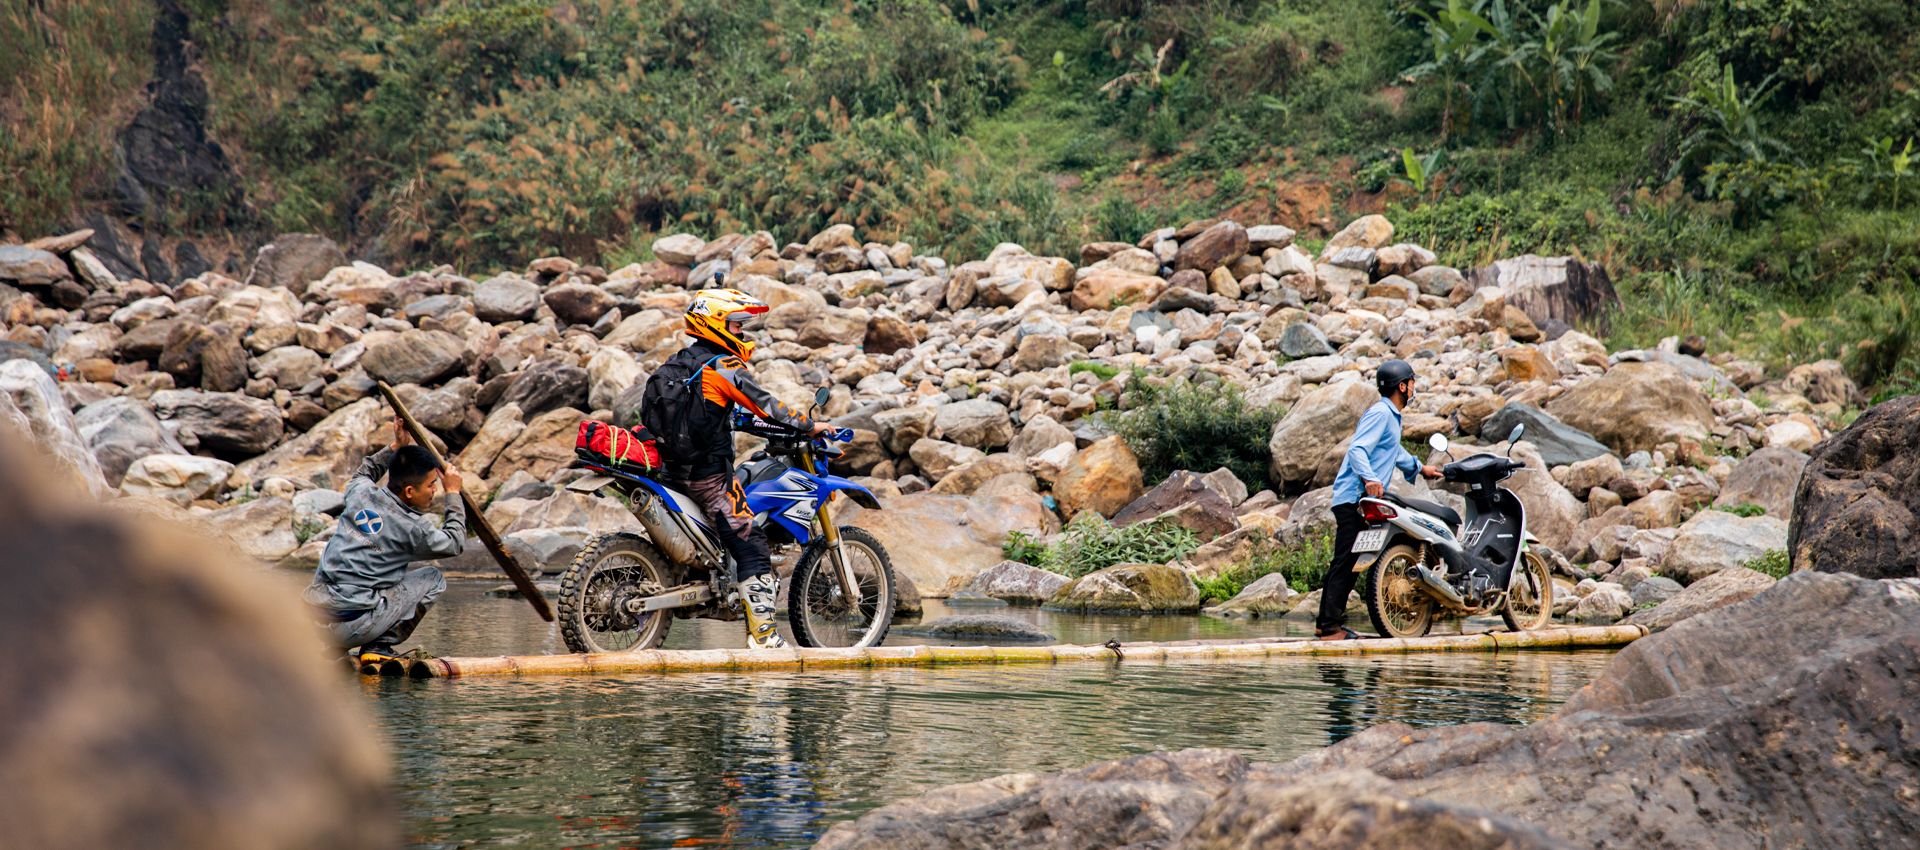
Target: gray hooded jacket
x: 378, y: 537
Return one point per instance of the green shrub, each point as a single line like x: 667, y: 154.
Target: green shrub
x: 1304, y: 565
x: 1103, y: 371
x: 1774, y: 563
x: 1175, y: 425
x: 1744, y: 509
x: 1090, y: 543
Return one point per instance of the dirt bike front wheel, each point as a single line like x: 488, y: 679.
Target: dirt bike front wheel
x: 821, y: 614
x: 611, y: 570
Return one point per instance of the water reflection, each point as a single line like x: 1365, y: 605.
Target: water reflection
x: 771, y: 760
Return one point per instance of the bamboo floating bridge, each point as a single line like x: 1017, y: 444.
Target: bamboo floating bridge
x: 788, y: 660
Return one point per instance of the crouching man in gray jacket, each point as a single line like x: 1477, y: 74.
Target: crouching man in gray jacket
x: 364, y: 593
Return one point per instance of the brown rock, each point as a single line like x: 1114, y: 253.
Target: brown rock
x: 1218, y: 245
x: 1104, y: 477
x: 1526, y: 363
x: 1635, y: 407
x: 577, y: 303
x: 887, y: 333
x: 1106, y: 289
x: 1857, y: 508
x: 543, y: 448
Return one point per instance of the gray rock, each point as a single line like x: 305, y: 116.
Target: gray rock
x: 1719, y: 590
x: 1857, y: 508
x: 506, y: 298
x: 120, y: 431
x: 437, y: 307
x: 977, y: 423
x: 413, y: 357
x: 1766, y: 478
x: 31, y: 403
x: 1268, y: 595
x: 292, y: 261
x: 24, y: 266
x: 1016, y: 583
x: 994, y: 627
x: 1722, y: 729
x: 1653, y: 591
x: 578, y: 303
x: 228, y: 424
x: 546, y: 549
x: 1716, y: 540
x: 1136, y: 588
x: 1562, y: 289
x: 547, y: 385
x: 1303, y: 339
x: 1560, y: 444
x: 1260, y: 237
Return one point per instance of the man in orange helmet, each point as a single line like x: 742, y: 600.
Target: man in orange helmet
x: 688, y: 405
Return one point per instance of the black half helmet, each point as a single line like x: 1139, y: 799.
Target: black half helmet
x: 1390, y: 374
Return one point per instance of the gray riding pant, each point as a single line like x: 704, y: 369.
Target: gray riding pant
x: 395, y: 613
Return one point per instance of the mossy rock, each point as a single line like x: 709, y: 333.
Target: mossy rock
x: 1130, y: 588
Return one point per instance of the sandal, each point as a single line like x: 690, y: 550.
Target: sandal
x: 1344, y: 634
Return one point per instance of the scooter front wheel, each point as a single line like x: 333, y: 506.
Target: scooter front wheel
x: 1395, y: 602
x: 1530, y: 600
x: 821, y: 613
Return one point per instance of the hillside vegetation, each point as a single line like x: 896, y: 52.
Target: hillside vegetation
x: 1745, y: 169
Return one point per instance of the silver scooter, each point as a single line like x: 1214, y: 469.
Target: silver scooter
x: 1423, y: 559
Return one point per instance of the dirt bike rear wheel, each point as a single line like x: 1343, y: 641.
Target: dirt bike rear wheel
x: 818, y: 611
x: 1395, y: 602
x: 1526, y: 608
x: 610, y: 570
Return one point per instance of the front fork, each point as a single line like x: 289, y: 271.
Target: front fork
x: 842, y: 568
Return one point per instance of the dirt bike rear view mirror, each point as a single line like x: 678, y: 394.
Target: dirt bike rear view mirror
x: 1514, y: 436
x: 820, y: 397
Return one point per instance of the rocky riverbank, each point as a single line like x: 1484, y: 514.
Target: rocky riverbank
x: 244, y: 404
x: 1781, y: 721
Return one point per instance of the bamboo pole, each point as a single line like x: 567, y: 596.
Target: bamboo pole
x: 741, y: 660
x: 475, y: 519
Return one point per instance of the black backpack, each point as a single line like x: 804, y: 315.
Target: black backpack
x: 687, y: 427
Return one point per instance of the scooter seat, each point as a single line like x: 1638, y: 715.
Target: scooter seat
x: 1433, y: 509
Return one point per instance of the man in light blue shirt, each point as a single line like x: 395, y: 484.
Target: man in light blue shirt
x: 1374, y: 454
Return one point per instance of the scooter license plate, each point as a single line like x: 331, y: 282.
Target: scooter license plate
x: 1370, y: 541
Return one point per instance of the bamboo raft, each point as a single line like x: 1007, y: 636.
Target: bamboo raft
x: 742, y: 660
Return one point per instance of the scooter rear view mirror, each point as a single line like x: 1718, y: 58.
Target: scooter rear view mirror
x: 1513, y: 437
x: 1438, y: 442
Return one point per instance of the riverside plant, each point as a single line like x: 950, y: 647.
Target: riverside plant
x: 1090, y: 543
x: 1304, y: 565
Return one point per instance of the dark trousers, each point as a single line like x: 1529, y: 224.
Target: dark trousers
x: 1347, y: 525
x: 726, y: 506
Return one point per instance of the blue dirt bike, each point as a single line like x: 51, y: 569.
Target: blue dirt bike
x: 624, y: 589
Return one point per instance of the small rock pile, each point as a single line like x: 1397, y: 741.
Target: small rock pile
x: 249, y: 402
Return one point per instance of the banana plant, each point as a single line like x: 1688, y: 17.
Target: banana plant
x: 1421, y: 170
x: 1572, y: 54
x: 1457, y: 42
x: 1727, y: 123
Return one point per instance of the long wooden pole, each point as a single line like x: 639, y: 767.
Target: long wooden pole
x: 744, y: 660
x: 475, y: 519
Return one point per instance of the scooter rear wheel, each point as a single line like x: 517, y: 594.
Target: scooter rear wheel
x: 1395, y: 602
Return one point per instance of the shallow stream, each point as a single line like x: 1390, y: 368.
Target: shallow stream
x: 773, y: 759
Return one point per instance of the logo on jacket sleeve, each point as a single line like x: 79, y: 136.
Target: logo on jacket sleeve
x: 367, y: 521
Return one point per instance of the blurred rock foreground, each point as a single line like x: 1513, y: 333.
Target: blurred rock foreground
x: 160, y: 694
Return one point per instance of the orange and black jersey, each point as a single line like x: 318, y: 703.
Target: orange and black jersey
x: 689, y: 402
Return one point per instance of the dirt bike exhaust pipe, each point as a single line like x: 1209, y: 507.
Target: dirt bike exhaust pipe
x: 663, y: 531
x: 1438, y: 587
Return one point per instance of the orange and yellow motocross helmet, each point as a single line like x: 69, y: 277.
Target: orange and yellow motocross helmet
x: 714, y: 314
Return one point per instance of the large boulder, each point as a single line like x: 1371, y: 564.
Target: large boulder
x: 31, y: 267
x: 541, y: 449
x: 292, y: 261
x: 189, y: 703
x: 329, y: 452
x: 1104, y: 477
x: 1560, y: 444
x: 1716, y: 540
x: 1561, y: 289
x: 1780, y: 721
x: 177, y: 478
x: 227, y: 424
x: 1636, y: 406
x: 413, y: 357
x: 1857, y: 508
x: 121, y: 430
x: 1317, y: 426
x: 546, y: 385
x: 261, y: 529
x: 578, y: 303
x: 31, y: 404
x: 941, y: 542
x: 1268, y: 595
x: 1016, y: 583
x: 1104, y: 289
x: 1133, y: 588
x: 506, y: 298
x: 978, y: 423
x: 1718, y: 590
x: 999, y: 628
x: 1214, y: 247
x: 1766, y: 478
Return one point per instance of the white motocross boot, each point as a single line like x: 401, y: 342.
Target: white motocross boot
x: 757, y: 595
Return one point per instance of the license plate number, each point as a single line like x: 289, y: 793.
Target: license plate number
x: 1370, y: 541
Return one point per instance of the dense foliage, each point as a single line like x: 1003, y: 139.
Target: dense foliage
x: 1090, y: 543
x: 1724, y: 158
x: 1195, y: 426
x: 1304, y: 566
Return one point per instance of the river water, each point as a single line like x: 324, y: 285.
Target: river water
x: 772, y: 760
